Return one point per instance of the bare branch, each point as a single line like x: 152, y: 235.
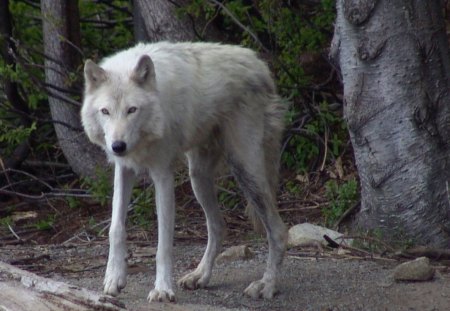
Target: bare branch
x: 242, y: 26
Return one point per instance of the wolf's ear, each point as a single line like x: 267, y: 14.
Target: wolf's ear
x: 94, y: 75
x: 144, y: 72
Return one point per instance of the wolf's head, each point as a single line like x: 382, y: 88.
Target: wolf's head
x: 120, y: 109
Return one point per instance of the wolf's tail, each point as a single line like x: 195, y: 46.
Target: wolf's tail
x: 273, y: 130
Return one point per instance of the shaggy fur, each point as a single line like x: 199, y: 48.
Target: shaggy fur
x: 148, y: 105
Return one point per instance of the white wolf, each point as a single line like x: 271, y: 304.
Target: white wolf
x: 151, y: 103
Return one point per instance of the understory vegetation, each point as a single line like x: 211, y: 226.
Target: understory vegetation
x: 318, y: 178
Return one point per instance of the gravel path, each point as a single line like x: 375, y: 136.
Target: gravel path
x: 330, y: 282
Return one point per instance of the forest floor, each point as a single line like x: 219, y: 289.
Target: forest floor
x: 311, y: 278
x: 69, y: 243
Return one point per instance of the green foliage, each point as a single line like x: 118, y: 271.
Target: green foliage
x: 292, y: 187
x: 6, y: 221
x: 11, y: 136
x: 227, y: 193
x: 45, y: 224
x: 341, y: 198
x: 325, y: 126
x: 113, y: 30
x: 73, y: 202
x: 143, y: 206
x: 100, y: 187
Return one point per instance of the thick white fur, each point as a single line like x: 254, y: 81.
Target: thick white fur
x: 206, y: 101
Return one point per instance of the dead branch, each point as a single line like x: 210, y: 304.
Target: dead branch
x: 52, y: 192
x: 21, y: 290
x: 423, y: 251
x: 237, y: 22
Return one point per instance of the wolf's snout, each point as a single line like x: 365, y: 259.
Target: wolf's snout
x: 119, y: 147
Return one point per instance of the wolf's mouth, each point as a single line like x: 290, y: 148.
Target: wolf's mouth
x: 120, y: 154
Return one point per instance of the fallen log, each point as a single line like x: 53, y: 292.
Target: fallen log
x: 21, y: 290
x: 432, y: 253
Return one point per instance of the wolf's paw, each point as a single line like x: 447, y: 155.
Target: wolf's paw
x: 114, y: 282
x: 260, y: 288
x: 194, y: 280
x: 161, y: 295
x: 115, y: 277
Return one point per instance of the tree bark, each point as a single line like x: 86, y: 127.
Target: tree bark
x: 157, y: 20
x: 160, y: 22
x: 394, y: 60
x: 61, y: 31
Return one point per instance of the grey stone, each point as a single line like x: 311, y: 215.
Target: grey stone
x: 307, y: 234
x: 233, y: 253
x: 415, y: 270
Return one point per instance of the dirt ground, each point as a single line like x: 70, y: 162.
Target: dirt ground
x: 310, y: 280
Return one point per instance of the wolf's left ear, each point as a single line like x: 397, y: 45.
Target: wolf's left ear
x: 94, y: 75
x: 144, y: 72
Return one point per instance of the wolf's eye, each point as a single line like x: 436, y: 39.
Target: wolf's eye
x: 105, y: 111
x: 132, y: 110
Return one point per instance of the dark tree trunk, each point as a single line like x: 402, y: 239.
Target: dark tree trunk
x: 61, y: 30
x: 395, y: 66
x: 7, y: 48
x: 157, y: 20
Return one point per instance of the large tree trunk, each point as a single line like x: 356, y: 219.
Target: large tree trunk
x: 394, y: 60
x: 61, y: 30
x: 157, y: 20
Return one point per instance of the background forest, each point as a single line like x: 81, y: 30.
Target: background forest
x: 40, y: 195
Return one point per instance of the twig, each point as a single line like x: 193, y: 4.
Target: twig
x: 11, y: 170
x: 42, y: 120
x: 53, y: 192
x: 46, y: 195
x: 322, y: 167
x: 46, y: 163
x: 15, y: 234
x: 242, y: 26
x: 367, y: 238
x: 107, y: 222
x: 331, y: 242
x: 346, y: 214
x: 226, y: 190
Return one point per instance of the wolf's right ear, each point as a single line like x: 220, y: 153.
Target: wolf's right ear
x: 94, y: 75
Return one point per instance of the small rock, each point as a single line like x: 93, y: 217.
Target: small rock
x: 415, y: 270
x: 307, y: 234
x: 233, y: 253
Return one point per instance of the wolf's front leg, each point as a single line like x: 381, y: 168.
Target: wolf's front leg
x: 116, y: 270
x: 202, y: 164
x: 165, y: 208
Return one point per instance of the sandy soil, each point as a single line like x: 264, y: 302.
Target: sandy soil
x: 309, y: 281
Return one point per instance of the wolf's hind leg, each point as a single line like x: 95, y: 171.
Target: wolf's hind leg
x: 247, y: 157
x: 202, y: 164
x: 255, y: 187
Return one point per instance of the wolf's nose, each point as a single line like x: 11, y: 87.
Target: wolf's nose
x: 119, y: 147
